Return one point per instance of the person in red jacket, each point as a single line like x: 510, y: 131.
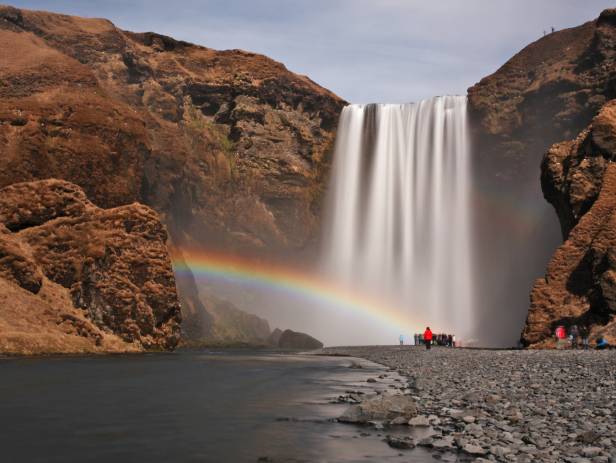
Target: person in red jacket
x: 428, y: 338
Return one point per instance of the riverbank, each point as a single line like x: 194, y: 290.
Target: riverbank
x: 509, y: 405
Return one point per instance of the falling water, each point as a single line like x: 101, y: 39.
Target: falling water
x: 398, y: 222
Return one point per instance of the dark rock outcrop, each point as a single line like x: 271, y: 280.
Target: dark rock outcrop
x: 546, y: 93
x: 274, y: 337
x: 229, y: 147
x: 579, y: 180
x: 295, y: 340
x: 111, y: 265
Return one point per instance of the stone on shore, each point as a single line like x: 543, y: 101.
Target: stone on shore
x: 400, y: 443
x: 385, y: 407
x: 419, y: 421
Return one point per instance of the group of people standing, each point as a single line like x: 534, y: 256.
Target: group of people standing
x: 427, y: 338
x: 577, y: 337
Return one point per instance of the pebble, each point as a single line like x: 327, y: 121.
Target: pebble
x: 419, y: 421
x: 473, y: 449
x: 590, y: 452
x: 400, y: 443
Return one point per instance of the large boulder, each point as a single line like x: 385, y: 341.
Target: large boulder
x: 295, y: 340
x: 113, y: 263
x: 384, y: 407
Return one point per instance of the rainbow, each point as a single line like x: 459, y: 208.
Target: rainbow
x: 283, y: 279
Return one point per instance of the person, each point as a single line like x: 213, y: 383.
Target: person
x: 574, y: 333
x: 449, y: 340
x: 427, y: 337
x: 416, y: 339
x: 584, y: 336
x: 602, y: 344
x: 421, y: 339
x: 453, y: 340
x: 561, y: 335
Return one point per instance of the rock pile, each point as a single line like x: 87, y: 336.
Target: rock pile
x: 506, y: 406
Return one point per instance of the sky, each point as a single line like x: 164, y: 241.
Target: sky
x: 388, y: 51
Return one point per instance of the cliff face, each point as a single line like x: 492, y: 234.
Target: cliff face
x: 229, y: 147
x: 227, y: 143
x: 579, y: 180
x: 77, y: 278
x: 548, y: 92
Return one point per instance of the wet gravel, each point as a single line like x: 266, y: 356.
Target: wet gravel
x: 506, y: 405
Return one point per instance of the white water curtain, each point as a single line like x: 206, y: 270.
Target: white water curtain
x: 398, y: 224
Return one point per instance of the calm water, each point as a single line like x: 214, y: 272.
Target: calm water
x: 185, y: 407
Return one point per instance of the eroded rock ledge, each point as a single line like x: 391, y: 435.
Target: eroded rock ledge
x: 77, y: 278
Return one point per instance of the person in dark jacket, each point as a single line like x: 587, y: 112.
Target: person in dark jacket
x: 574, y: 332
x: 602, y: 344
x: 584, y: 333
x: 428, y: 338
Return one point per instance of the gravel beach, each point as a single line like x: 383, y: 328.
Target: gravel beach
x: 506, y: 405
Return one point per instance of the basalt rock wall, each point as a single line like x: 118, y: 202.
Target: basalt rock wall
x: 579, y: 287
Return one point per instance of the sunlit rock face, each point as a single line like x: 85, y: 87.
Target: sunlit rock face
x: 85, y: 279
x: 227, y: 143
x: 229, y: 147
x: 546, y: 93
x: 579, y: 180
x: 399, y: 223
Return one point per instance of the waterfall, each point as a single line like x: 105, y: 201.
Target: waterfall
x: 398, y: 219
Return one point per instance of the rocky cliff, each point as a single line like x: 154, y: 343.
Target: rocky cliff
x: 548, y: 92
x: 77, y: 278
x: 579, y: 180
x: 229, y: 147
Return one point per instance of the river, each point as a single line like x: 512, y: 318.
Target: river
x: 206, y: 406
